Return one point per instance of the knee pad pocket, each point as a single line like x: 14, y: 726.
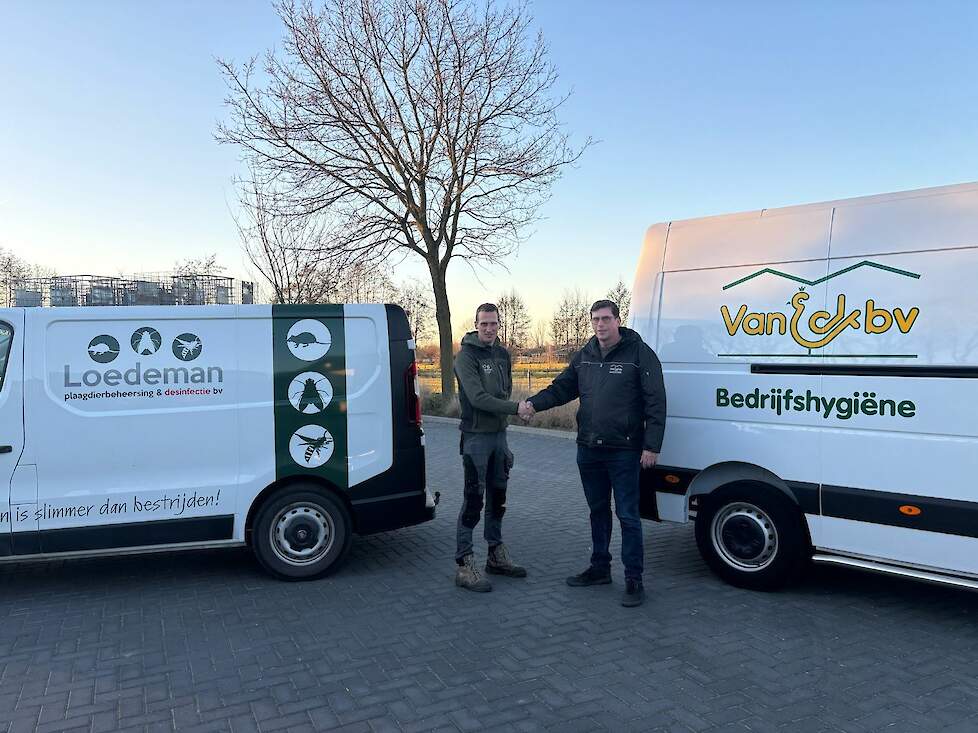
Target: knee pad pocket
x: 499, y: 501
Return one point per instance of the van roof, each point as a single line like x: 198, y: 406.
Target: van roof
x: 836, y: 203
x: 925, y: 219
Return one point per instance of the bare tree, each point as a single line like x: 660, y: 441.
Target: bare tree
x: 540, y: 335
x: 415, y: 298
x: 206, y: 265
x: 426, y: 126
x: 13, y: 270
x: 571, y: 322
x: 514, y: 320
x: 621, y: 295
x: 364, y: 282
x: 286, y: 251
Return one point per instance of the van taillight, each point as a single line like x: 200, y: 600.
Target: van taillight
x: 412, y: 393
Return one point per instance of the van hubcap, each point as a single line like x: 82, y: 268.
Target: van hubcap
x: 301, y: 534
x: 744, y: 536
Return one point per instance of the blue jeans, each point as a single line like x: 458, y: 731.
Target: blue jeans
x: 605, y: 471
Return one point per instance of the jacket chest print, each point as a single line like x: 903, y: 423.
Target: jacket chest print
x: 487, y: 367
x: 615, y: 368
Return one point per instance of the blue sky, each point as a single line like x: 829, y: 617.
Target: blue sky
x: 108, y: 114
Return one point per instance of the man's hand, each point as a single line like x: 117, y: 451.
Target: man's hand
x: 649, y: 458
x: 526, y: 410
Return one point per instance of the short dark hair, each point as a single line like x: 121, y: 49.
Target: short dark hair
x: 599, y: 304
x: 486, y: 308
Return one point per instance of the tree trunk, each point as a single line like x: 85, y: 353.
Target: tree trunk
x: 443, y: 315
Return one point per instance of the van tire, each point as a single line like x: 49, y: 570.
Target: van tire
x: 301, y: 533
x: 752, y: 536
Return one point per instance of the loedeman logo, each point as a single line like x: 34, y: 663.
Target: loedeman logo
x: 816, y: 329
x: 104, y: 349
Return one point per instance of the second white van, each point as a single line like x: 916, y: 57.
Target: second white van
x: 821, y: 366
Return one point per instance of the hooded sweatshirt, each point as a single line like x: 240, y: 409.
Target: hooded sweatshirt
x: 485, y: 382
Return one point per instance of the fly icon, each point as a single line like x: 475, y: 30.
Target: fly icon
x: 311, y: 446
x: 187, y: 346
x: 145, y: 341
x: 310, y: 392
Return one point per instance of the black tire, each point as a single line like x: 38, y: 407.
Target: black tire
x: 752, y: 536
x: 301, y: 533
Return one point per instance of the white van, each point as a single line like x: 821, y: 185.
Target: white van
x: 821, y: 366
x: 289, y: 428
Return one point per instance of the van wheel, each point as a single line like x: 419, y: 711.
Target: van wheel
x: 301, y: 533
x: 752, y: 536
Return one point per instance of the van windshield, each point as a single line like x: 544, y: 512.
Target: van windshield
x: 6, y: 336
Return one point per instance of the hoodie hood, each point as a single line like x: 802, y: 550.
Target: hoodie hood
x: 472, y: 339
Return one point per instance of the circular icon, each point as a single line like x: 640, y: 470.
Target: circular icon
x: 310, y: 392
x: 103, y: 349
x: 187, y: 346
x: 308, y: 339
x: 146, y: 341
x: 311, y: 446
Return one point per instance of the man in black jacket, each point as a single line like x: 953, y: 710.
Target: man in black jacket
x: 620, y: 424
x: 485, y: 381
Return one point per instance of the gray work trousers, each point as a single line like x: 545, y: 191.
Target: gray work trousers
x: 486, y: 461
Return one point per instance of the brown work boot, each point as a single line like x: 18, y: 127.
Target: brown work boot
x: 469, y: 576
x: 500, y: 563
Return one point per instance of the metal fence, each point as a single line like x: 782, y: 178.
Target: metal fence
x: 146, y: 289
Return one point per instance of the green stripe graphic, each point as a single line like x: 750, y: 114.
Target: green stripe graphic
x: 309, y: 343
x: 803, y: 281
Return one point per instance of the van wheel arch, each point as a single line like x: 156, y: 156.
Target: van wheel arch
x: 724, y: 474
x: 306, y: 482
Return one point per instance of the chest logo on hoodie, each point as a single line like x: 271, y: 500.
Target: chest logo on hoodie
x: 487, y: 367
x: 615, y: 369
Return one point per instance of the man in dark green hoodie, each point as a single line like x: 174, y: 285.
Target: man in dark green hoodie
x: 485, y: 381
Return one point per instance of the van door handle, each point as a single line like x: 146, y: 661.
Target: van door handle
x: 6, y: 449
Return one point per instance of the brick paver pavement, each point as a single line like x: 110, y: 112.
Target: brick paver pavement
x: 206, y: 642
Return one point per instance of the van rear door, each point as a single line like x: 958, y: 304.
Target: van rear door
x: 11, y: 412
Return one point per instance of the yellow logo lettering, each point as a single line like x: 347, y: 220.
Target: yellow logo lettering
x: 732, y: 324
x: 824, y: 326
x: 872, y: 313
x: 905, y: 322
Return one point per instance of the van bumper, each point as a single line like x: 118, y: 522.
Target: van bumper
x: 394, y: 512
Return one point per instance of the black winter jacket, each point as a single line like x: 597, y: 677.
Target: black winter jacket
x: 485, y: 382
x: 623, y: 398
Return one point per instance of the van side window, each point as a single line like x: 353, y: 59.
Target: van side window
x: 6, y: 337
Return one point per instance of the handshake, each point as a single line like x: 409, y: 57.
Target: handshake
x: 526, y: 410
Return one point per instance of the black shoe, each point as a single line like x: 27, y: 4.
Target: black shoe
x: 634, y: 594
x: 591, y: 576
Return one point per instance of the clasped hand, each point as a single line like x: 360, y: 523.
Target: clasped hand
x: 526, y: 410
